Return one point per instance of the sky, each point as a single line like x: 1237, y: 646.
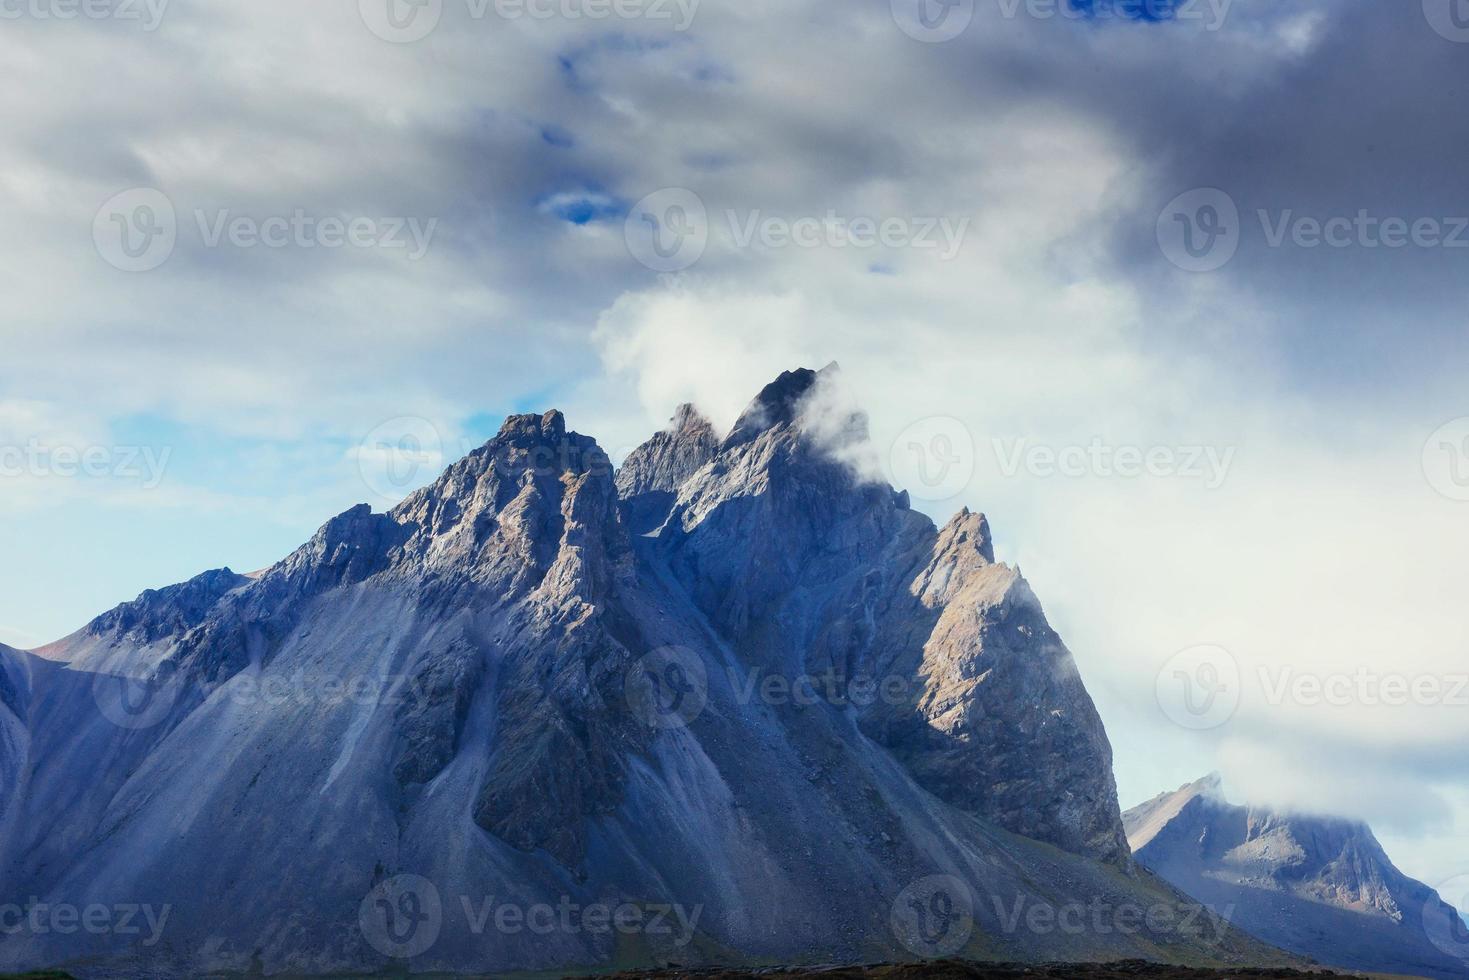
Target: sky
x: 1172, y: 291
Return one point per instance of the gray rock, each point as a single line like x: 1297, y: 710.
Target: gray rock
x: 1319, y: 886
x: 515, y: 623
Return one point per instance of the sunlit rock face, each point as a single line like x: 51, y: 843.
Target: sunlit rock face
x: 735, y: 678
x: 1318, y: 886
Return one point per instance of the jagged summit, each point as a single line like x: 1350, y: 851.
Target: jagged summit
x: 652, y: 473
x: 508, y: 615
x: 1317, y: 885
x: 777, y: 404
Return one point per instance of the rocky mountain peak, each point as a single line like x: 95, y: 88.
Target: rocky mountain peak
x: 1314, y: 884
x: 967, y: 531
x: 652, y: 473
x: 778, y: 403
x: 522, y: 625
x: 158, y: 612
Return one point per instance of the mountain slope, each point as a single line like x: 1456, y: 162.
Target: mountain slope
x: 1317, y: 886
x: 733, y: 683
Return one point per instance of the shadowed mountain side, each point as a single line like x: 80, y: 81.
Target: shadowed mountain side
x: 497, y: 694
x: 1317, y: 886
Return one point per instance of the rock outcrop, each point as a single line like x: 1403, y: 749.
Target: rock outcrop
x: 736, y: 679
x: 1318, y: 886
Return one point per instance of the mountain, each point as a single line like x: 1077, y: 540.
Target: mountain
x: 729, y: 703
x: 1317, y: 886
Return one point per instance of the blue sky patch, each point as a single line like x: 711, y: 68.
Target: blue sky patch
x: 582, y: 207
x: 1140, y: 10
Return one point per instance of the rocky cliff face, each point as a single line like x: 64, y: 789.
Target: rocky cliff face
x: 1318, y: 886
x: 733, y: 680
x: 807, y: 571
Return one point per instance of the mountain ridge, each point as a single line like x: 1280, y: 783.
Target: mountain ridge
x: 516, y: 625
x: 1316, y: 885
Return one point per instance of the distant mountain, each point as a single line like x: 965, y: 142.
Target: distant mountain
x: 1317, y: 886
x: 732, y: 684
